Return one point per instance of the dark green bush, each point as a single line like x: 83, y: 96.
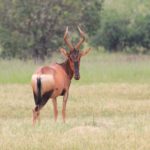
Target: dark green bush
x: 113, y: 33
x: 140, y: 33
x: 34, y: 28
x: 118, y: 33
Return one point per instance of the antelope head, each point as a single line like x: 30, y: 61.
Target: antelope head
x: 74, y: 55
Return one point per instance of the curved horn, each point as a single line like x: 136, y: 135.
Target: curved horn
x: 82, y: 39
x: 66, y: 40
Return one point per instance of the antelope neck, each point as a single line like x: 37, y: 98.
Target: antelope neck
x: 67, y: 68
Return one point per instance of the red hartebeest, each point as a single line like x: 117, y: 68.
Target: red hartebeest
x: 54, y: 80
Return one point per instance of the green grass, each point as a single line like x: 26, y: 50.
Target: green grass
x: 95, y: 68
x: 16, y: 71
x: 115, y: 68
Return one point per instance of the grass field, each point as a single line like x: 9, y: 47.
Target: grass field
x: 95, y: 68
x: 108, y: 109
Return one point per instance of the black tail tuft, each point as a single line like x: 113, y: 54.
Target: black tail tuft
x: 39, y: 87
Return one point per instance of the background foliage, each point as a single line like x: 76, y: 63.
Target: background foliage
x: 34, y: 29
x: 125, y: 26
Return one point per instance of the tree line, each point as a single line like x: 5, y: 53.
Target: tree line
x: 124, y: 33
x: 34, y: 29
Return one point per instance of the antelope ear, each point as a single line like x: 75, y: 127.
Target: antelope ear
x: 83, y: 53
x: 63, y: 52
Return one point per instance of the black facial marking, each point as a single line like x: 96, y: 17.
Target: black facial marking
x: 75, y: 59
x: 76, y: 67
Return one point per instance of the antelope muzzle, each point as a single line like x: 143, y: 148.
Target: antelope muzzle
x: 76, y: 70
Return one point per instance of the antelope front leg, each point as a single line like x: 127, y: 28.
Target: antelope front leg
x: 55, y: 108
x: 64, y: 106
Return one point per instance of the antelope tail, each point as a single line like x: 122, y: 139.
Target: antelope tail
x: 39, y: 88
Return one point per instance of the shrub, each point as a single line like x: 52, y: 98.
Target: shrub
x: 112, y: 34
x: 118, y: 33
x: 140, y: 33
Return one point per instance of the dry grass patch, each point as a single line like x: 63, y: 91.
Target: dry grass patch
x: 99, y: 116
